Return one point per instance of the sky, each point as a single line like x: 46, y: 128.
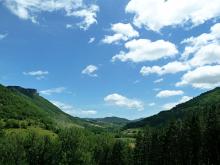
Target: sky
x: 127, y: 58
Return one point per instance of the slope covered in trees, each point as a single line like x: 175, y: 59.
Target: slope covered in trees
x: 110, y: 121
x: 20, y: 106
x: 192, y: 141
x: 197, y: 105
x: 30, y: 135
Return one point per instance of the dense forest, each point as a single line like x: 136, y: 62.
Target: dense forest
x: 32, y: 132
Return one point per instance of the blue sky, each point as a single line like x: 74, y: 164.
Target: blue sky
x: 128, y: 58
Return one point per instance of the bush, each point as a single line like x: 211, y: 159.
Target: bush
x: 23, y: 125
x: 12, y: 123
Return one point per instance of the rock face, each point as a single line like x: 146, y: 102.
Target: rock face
x: 26, y: 91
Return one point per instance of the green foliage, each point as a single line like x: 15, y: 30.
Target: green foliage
x: 76, y: 147
x: 21, y: 108
x: 35, y: 132
x: 12, y: 123
x: 1, y: 128
x: 197, y: 105
x: 120, y: 154
x: 193, y: 141
x: 70, y: 146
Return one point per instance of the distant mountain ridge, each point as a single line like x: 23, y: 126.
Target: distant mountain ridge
x: 195, y: 105
x: 110, y: 120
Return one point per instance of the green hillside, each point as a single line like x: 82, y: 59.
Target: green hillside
x: 34, y: 131
x: 20, y: 106
x: 197, y: 105
x: 114, y: 121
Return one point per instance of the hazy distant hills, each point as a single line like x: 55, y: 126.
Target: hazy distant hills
x: 111, y: 121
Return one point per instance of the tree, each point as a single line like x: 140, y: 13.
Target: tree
x: 75, y: 147
x: 12, y: 150
x: 102, y: 150
x: 171, y: 144
x: 211, y: 151
x: 120, y: 153
x: 142, y: 149
x: 42, y: 149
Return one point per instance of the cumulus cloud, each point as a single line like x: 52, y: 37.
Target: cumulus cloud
x: 88, y: 15
x: 207, y: 55
x: 170, y: 68
x: 2, y: 36
x: 31, y: 9
x: 53, y: 91
x: 204, y: 49
x: 205, y: 77
x: 39, y: 74
x: 200, y: 60
x: 122, y: 32
x: 172, y: 12
x: 145, y: 50
x: 124, y: 102
x: 202, y: 56
x: 169, y: 106
x: 90, y: 70
x: 69, y: 109
x: 169, y: 93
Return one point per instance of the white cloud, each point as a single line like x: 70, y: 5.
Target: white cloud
x: 205, y: 77
x: 194, y: 44
x: 169, y: 93
x: 209, y: 54
x: 145, y: 50
x: 89, y: 112
x: 53, y: 91
x: 69, y: 26
x: 156, y: 14
x: 90, y: 70
x: 204, y: 49
x: 64, y: 107
x: 89, y: 16
x: 158, y: 80
x: 185, y: 99
x: 2, y: 36
x: 122, y: 32
x: 152, y: 104
x: 200, y: 51
x: 169, y: 106
x: 170, y: 68
x: 122, y: 101
x: 31, y: 9
x: 39, y: 75
x: 91, y: 40
x: 69, y: 109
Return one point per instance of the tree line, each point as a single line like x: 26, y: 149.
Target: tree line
x: 192, y: 141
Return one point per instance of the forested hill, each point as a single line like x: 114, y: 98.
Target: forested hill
x: 196, y: 105
x: 114, y: 121
x: 19, y: 105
